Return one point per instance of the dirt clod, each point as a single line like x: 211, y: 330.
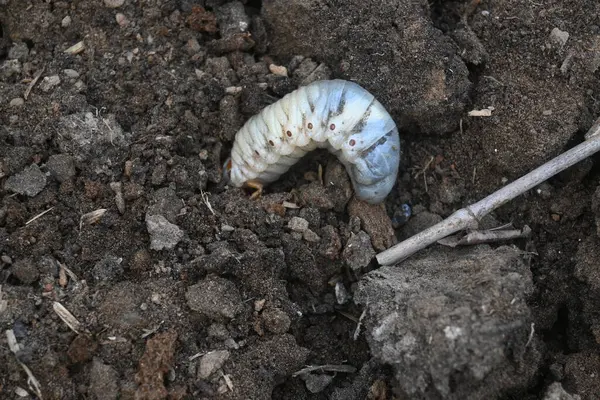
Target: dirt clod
x: 413, y: 315
x: 214, y: 297
x: 30, y: 181
x: 82, y: 349
x: 104, y: 381
x: 358, y: 252
x: 276, y: 320
x: 153, y: 366
x: 375, y: 222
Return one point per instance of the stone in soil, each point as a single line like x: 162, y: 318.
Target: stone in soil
x: 163, y: 234
x: 316, y: 383
x: 298, y: 224
x: 211, y: 362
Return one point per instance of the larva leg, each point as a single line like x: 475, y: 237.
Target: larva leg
x: 258, y: 186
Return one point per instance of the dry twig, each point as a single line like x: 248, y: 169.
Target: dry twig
x: 487, y: 236
x: 39, y: 215
x: 349, y: 369
x: 33, y: 82
x: 32, y: 382
x: 470, y: 216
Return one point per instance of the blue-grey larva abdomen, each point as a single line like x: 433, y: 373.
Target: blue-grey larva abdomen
x: 338, y: 115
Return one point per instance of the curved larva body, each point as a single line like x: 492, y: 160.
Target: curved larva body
x: 338, y: 115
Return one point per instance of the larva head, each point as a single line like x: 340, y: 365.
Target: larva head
x: 374, y: 175
x: 227, y: 170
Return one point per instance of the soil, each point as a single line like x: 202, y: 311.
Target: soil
x: 177, y: 286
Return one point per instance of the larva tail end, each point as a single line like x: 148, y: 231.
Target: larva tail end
x: 227, y: 170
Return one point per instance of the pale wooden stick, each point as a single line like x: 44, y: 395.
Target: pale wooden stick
x: 470, y: 216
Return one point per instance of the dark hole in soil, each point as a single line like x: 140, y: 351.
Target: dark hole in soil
x: 557, y: 336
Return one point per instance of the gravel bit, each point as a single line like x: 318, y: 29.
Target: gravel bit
x: 163, y: 234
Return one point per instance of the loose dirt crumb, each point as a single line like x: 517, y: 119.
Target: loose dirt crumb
x: 154, y: 364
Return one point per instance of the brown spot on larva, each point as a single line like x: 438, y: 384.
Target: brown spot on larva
x: 352, y: 142
x: 289, y: 133
x: 257, y: 153
x: 332, y: 126
x: 394, y: 148
x: 271, y: 143
x: 310, y: 125
x: 229, y: 165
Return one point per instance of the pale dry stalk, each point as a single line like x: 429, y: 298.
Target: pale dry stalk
x: 470, y: 216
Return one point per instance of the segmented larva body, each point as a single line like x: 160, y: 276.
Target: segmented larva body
x: 338, y: 115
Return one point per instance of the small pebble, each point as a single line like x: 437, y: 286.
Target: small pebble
x: 310, y: 236
x: 211, y: 362
x: 71, y: 73
x: 6, y: 259
x: 231, y: 344
x: 298, y: 224
x: 227, y: 228
x: 559, y: 37
x: 359, y: 251
x: 317, y: 383
x: 163, y: 234
x: 17, y: 102
x: 49, y: 82
x: 278, y: 70
x: 192, y: 46
x: 121, y: 20
x: 66, y: 21
x: 341, y: 294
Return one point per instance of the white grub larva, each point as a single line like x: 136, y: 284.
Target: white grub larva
x: 337, y: 115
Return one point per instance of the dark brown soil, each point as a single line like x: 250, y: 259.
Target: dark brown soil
x: 112, y: 205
